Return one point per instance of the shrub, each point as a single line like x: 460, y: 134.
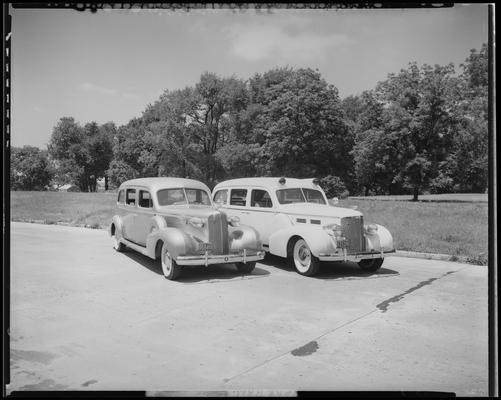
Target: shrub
x: 333, y: 186
x: 442, y: 184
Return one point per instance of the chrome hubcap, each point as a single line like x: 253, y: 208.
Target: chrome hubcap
x: 166, y: 262
x: 302, y: 256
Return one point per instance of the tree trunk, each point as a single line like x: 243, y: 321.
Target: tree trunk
x: 415, y: 193
x: 105, y: 183
x: 366, y: 190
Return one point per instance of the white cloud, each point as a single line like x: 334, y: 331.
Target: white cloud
x: 286, y: 40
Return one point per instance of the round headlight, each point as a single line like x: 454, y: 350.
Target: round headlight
x: 234, y: 221
x: 334, y: 230
x: 371, y: 228
x: 196, y: 222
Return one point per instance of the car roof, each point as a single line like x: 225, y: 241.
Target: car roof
x: 269, y: 183
x: 156, y: 183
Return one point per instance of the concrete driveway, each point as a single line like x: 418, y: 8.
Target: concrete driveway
x: 84, y: 317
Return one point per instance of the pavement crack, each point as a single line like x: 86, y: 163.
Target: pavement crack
x: 383, y: 306
x: 311, y: 345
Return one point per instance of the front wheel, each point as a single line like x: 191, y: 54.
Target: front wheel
x: 245, y: 268
x: 371, y: 265
x: 304, y: 261
x: 170, y: 268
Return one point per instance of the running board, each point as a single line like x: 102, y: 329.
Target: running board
x: 135, y: 246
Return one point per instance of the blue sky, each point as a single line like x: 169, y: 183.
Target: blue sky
x: 108, y: 66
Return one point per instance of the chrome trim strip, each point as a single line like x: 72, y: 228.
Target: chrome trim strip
x: 354, y: 257
x: 207, y: 259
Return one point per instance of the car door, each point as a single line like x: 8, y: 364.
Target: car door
x: 261, y: 213
x: 232, y: 201
x: 128, y: 220
x: 142, y: 222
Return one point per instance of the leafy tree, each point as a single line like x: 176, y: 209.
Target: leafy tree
x: 300, y: 127
x: 467, y: 163
x: 82, y: 154
x: 30, y: 168
x: 333, y: 186
x: 416, y: 121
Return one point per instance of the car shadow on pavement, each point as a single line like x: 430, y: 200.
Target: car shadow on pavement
x: 198, y: 274
x: 331, y: 270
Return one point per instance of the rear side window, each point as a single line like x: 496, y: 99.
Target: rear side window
x: 130, y: 198
x: 121, y: 196
x: 238, y: 197
x: 145, y: 199
x: 260, y: 198
x: 221, y: 196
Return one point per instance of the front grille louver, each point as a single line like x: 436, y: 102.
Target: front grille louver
x: 218, y: 233
x: 353, y: 231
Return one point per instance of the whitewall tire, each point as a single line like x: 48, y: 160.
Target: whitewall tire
x: 304, y: 261
x: 170, y: 268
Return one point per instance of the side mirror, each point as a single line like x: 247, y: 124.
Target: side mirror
x: 334, y: 201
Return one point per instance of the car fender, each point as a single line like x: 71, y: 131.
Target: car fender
x: 117, y: 222
x: 379, y: 240
x: 243, y: 237
x: 317, y: 239
x: 177, y: 242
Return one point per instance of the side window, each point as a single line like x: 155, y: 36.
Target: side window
x: 145, y: 199
x: 221, y: 196
x: 238, y: 197
x: 121, y: 197
x: 260, y: 198
x: 130, y: 199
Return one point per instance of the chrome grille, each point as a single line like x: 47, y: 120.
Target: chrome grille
x: 218, y: 233
x: 353, y: 231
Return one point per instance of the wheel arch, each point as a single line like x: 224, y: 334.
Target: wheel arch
x: 316, y: 238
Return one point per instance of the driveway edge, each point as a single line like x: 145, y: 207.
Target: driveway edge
x: 399, y: 253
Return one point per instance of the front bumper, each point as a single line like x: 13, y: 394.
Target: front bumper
x: 208, y: 259
x: 354, y: 257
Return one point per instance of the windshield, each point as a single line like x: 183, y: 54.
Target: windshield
x: 174, y: 197
x: 299, y: 195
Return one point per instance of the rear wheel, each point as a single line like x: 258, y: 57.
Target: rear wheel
x: 304, y: 261
x: 170, y: 268
x: 372, y: 264
x: 245, y: 268
x: 117, y: 245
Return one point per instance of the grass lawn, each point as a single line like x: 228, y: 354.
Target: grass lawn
x: 457, y: 228
x: 446, y: 198
x: 94, y: 210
